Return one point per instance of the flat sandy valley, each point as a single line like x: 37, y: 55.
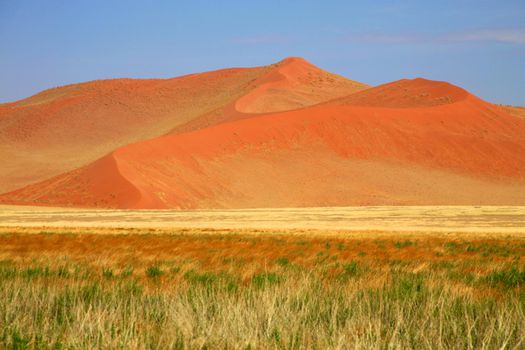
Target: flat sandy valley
x: 447, y: 219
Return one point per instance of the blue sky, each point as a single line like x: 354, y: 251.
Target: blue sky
x: 479, y: 45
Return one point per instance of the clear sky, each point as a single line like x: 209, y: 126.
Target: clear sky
x: 478, y: 44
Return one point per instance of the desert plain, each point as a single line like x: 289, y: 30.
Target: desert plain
x: 353, y: 277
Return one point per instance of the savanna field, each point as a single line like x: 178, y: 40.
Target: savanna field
x: 82, y: 288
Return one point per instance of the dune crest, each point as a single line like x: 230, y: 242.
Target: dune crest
x: 295, y: 83
x: 407, y: 93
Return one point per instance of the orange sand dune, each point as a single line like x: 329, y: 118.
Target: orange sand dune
x: 379, y: 146
x: 289, y: 84
x: 61, y: 129
x: 407, y: 93
x: 64, y: 128
x: 514, y: 110
x: 295, y: 83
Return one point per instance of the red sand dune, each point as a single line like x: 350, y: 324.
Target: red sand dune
x: 294, y: 84
x: 61, y: 129
x: 407, y: 142
x: 406, y: 93
x: 514, y: 110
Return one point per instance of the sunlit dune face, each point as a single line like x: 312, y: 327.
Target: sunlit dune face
x: 295, y: 83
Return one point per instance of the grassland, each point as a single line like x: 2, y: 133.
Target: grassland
x: 140, y: 288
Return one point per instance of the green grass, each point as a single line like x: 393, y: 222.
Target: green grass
x: 293, y: 308
x: 335, y: 294
x: 350, y: 270
x: 154, y: 271
x: 265, y: 279
x: 507, y: 278
x: 282, y: 261
x: 108, y: 273
x: 403, y: 244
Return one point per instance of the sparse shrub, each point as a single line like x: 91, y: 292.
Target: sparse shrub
x: 63, y: 271
x: 8, y: 272
x: 443, y: 265
x: 451, y: 247
x: 154, y: 271
x: 283, y: 261
x: 127, y: 271
x: 350, y: 270
x: 212, y: 281
x: 265, y: 279
x: 472, y: 248
x: 205, y: 278
x: 403, y: 244
x: 33, y: 272
x: 465, y: 277
x: 131, y: 288
x: 508, y: 278
x: 19, y: 342
x: 407, y: 285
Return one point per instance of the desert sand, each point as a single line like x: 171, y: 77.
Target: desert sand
x: 284, y: 135
x: 63, y: 128
x: 364, y: 222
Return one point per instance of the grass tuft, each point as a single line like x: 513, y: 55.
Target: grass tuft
x: 265, y: 279
x: 508, y: 278
x: 154, y: 271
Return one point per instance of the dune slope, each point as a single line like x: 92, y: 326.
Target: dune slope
x: 424, y: 143
x: 61, y: 129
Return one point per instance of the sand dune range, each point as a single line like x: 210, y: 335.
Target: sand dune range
x: 293, y: 135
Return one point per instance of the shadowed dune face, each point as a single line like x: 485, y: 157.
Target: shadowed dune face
x: 465, y: 151
x: 64, y: 128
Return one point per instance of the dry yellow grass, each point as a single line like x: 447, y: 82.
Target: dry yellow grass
x: 169, y: 288
x: 334, y: 278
